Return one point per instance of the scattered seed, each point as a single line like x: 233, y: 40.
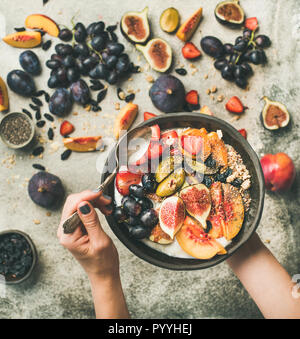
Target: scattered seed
x: 46, y: 45
x: 214, y: 89
x: 48, y: 117
x: 39, y: 167
x: 130, y: 97
x: 47, y: 97
x: 101, y: 95
x: 39, y: 93
x: 181, y: 71
x: 50, y: 133
x: 20, y: 29
x: 134, y: 69
x: 37, y: 151
x: 66, y: 154
x: 114, y: 37
x: 41, y: 123
x: 27, y: 113
x: 111, y: 28
x: 37, y: 101
x: 38, y: 115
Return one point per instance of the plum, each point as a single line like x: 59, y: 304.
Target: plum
x: 21, y: 83
x: 30, y: 62
x: 80, y: 92
x: 61, y: 102
x: 46, y: 189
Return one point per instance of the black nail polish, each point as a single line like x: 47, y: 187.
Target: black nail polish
x: 85, y: 209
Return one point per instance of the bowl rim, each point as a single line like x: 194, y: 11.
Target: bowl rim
x: 34, y: 257
x: 261, y: 187
x: 13, y: 146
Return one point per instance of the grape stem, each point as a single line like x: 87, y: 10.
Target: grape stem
x: 251, y: 42
x: 96, y: 52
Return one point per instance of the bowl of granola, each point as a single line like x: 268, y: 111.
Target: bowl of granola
x: 192, y: 197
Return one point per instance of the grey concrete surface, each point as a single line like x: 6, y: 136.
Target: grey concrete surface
x: 59, y: 288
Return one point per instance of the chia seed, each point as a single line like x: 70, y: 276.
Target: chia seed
x: 66, y: 154
x: 39, y: 167
x: 16, y: 130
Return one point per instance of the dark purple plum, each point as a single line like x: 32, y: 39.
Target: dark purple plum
x: 46, y: 190
x: 21, y: 83
x: 60, y: 102
x: 30, y: 62
x: 212, y: 46
x: 81, y: 92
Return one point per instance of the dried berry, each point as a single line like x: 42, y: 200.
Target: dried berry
x: 39, y: 167
x: 38, y: 115
x: 66, y: 154
x: 20, y: 29
x: 37, y: 151
x: 47, y: 97
x: 50, y: 133
x: 111, y: 28
x: 35, y: 108
x: 37, y: 101
x: 130, y: 97
x: 114, y: 37
x: 46, y: 45
x: 39, y: 93
x: 181, y: 71
x: 48, y: 117
x: 27, y: 113
x: 41, y: 123
x: 101, y: 95
x: 237, y: 182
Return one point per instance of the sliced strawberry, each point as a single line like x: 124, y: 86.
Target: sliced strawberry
x: 124, y: 179
x: 66, y: 128
x: 148, y: 115
x: 251, y: 23
x: 169, y: 139
x: 243, y: 132
x: 192, y: 144
x: 234, y: 105
x: 190, y: 51
x: 192, y: 98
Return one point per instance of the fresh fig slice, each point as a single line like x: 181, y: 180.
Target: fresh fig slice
x: 233, y: 210
x: 159, y: 236
x: 230, y: 13
x: 158, y: 53
x: 171, y: 184
x: 135, y: 26
x: 194, y: 241
x: 171, y: 215
x: 197, y: 202
x: 274, y: 115
x: 169, y: 20
x: 4, y: 102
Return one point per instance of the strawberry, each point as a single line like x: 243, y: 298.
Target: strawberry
x: 243, y: 132
x: 66, y: 128
x: 234, y: 105
x: 148, y: 115
x: 190, y: 51
x: 124, y: 179
x: 192, y: 98
x: 251, y: 23
x: 169, y: 139
x: 192, y: 144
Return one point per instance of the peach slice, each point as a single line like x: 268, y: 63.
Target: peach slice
x: 234, y: 211
x: 83, y: 144
x: 23, y: 39
x: 195, y: 242
x: 159, y: 236
x: 218, y: 149
x: 206, y: 110
x: 3, y: 96
x: 171, y: 215
x: 42, y: 22
x: 125, y: 118
x: 216, y: 216
x: 206, y: 148
x: 197, y: 202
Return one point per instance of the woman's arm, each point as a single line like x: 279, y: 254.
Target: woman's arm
x: 265, y: 279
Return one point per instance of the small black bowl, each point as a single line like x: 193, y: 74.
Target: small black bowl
x: 34, y: 257
x: 257, y: 191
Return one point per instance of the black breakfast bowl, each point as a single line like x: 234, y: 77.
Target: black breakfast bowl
x: 252, y: 218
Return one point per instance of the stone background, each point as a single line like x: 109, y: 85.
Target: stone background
x: 59, y: 288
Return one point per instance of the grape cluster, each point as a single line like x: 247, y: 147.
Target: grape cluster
x: 234, y: 64
x: 94, y: 52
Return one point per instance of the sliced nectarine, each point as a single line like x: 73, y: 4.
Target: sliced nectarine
x: 42, y: 22
x: 83, y: 144
x: 218, y: 149
x: 125, y: 118
x: 216, y: 216
x: 159, y: 236
x: 233, y: 210
x: 23, y: 39
x: 206, y: 110
x: 194, y: 241
x: 3, y: 96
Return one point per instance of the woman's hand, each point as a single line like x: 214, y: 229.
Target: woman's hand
x: 96, y: 253
x: 90, y: 245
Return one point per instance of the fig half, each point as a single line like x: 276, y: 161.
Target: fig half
x: 274, y: 115
x: 135, y: 26
x: 230, y: 13
x: 158, y: 53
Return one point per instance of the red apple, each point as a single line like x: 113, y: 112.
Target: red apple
x: 279, y: 171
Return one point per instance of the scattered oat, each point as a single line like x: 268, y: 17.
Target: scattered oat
x: 207, y: 91
x: 214, y: 89
x: 130, y: 79
x: 75, y: 113
x: 235, y: 118
x: 205, y: 76
x: 212, y: 97
x: 88, y: 108
x: 267, y: 241
x: 48, y: 214
x: 192, y: 66
x: 150, y: 78
x: 220, y: 98
x: 36, y: 221
x: 117, y: 106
